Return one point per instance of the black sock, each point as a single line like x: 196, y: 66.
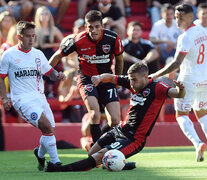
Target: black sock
x: 82, y: 165
x: 105, y: 129
x: 95, y: 132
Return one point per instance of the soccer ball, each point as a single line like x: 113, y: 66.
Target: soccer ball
x: 114, y: 160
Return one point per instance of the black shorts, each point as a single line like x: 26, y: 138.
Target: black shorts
x: 115, y: 139
x: 104, y: 92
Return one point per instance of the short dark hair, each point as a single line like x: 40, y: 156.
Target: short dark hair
x: 93, y: 16
x: 134, y: 23
x: 167, y: 6
x: 202, y: 6
x: 23, y: 25
x: 139, y: 67
x: 186, y: 8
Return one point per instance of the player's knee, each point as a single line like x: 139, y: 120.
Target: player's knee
x: 95, y: 116
x: 44, y: 126
x: 115, y: 121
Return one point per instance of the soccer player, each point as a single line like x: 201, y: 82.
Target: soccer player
x: 96, y: 48
x: 190, y: 57
x: 147, y: 98
x: 25, y: 65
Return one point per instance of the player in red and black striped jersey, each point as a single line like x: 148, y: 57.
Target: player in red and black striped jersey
x: 147, y: 98
x: 96, y: 48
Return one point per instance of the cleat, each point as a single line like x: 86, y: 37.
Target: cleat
x: 129, y: 166
x: 51, y: 167
x: 41, y: 161
x: 200, y: 152
x: 88, y: 146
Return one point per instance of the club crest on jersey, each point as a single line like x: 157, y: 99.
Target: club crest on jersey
x: 89, y: 87
x: 146, y: 92
x: 37, y: 61
x: 106, y: 48
x: 34, y: 116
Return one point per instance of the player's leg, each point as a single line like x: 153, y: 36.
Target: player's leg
x: 183, y: 107
x: 92, y: 106
x: 109, y: 98
x: 90, y: 97
x: 47, y: 140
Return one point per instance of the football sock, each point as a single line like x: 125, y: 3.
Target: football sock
x: 95, y: 131
x: 203, y: 122
x: 49, y: 142
x: 188, y: 129
x: 82, y: 165
x: 105, y: 129
x: 41, y: 150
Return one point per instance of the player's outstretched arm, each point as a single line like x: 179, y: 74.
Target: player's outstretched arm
x: 175, y: 64
x: 119, y: 64
x: 56, y: 57
x: 178, y: 92
x: 103, y: 78
x: 57, y: 76
x: 6, y: 101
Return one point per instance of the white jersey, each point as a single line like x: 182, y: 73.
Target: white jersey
x: 198, y: 23
x: 161, y: 32
x: 24, y: 70
x: 193, y: 43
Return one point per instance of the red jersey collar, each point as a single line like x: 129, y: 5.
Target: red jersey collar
x: 23, y: 50
x: 192, y: 25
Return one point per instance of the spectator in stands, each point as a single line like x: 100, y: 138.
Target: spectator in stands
x: 83, y: 5
x: 164, y: 33
x: 48, y: 37
x: 20, y: 9
x: 68, y: 90
x: 137, y: 48
x: 112, y: 17
x: 202, y: 15
x: 154, y: 7
x: 58, y: 8
x: 7, y: 20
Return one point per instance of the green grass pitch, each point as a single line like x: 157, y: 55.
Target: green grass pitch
x: 152, y: 163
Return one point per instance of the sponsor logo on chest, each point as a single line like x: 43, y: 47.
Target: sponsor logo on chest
x: 137, y: 100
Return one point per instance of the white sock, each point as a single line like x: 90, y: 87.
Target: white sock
x: 49, y: 142
x: 41, y: 150
x: 188, y: 129
x: 203, y: 122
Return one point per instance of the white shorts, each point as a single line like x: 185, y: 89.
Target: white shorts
x: 195, y: 97
x: 31, y: 111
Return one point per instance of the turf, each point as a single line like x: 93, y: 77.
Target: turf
x: 152, y: 163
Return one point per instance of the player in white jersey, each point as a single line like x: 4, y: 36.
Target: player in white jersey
x: 191, y: 57
x: 24, y: 66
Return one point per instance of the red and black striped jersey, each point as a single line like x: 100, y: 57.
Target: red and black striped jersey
x: 94, y: 57
x: 144, y: 107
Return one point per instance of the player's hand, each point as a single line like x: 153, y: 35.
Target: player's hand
x: 96, y: 80
x: 7, y: 104
x: 61, y: 76
x: 153, y: 76
x: 179, y: 84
